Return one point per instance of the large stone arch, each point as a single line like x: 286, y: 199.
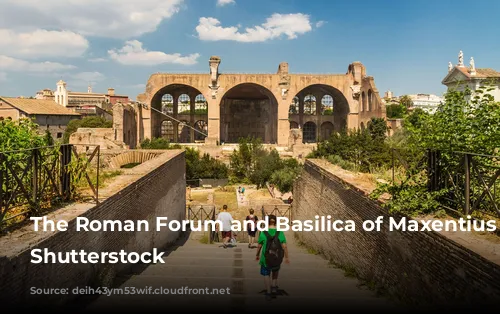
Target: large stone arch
x: 248, y: 109
x: 178, y: 93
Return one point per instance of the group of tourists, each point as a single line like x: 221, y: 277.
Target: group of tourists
x: 271, y: 247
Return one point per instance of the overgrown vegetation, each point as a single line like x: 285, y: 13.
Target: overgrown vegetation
x: 21, y: 134
x: 17, y: 140
x: 252, y: 163
x: 87, y: 122
x: 204, y: 166
x: 396, y: 111
x: 463, y: 123
x: 357, y: 150
x: 158, y: 143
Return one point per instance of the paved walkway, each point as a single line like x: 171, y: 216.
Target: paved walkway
x: 307, y: 283
x: 242, y: 198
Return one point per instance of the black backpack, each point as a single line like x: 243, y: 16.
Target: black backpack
x: 274, y: 251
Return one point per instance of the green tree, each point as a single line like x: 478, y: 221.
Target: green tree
x: 465, y: 122
x: 203, y: 167
x: 378, y: 129
x: 284, y: 178
x: 20, y: 134
x: 48, y: 138
x: 406, y: 101
x: 396, y: 111
x: 243, y: 160
x: 461, y: 123
x: 264, y: 167
x: 252, y: 163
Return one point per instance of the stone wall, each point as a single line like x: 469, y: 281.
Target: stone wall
x: 416, y: 266
x: 125, y: 124
x: 159, y: 192
x: 104, y: 137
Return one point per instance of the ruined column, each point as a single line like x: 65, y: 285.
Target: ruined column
x: 319, y: 103
x: 192, y: 103
x: 175, y: 123
x: 301, y: 111
x: 213, y: 101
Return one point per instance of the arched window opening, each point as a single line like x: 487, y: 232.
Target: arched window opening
x: 200, y: 105
x: 327, y: 105
x: 363, y: 102
x: 200, y: 126
x: 167, y: 130
x: 184, y: 106
x: 294, y: 106
x: 184, y: 132
x: 310, y: 105
x: 309, y: 132
x: 370, y: 100
x: 167, y: 104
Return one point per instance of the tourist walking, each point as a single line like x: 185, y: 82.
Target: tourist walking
x: 251, y: 221
x: 226, y: 221
x: 271, y: 250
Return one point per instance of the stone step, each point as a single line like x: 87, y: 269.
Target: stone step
x: 254, y: 285
x: 229, y: 261
x: 251, y: 271
x: 241, y: 304
x: 245, y: 253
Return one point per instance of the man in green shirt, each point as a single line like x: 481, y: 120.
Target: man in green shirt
x: 265, y: 269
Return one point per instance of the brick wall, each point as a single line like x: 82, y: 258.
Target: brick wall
x: 418, y: 267
x: 160, y: 192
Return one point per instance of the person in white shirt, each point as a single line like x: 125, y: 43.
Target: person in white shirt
x: 226, y: 221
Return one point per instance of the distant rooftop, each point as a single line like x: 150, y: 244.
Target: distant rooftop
x: 38, y: 106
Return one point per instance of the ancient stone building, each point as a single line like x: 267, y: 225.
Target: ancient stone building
x: 219, y: 108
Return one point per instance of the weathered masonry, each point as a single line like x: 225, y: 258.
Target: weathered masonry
x: 416, y: 266
x: 159, y: 191
x: 228, y: 106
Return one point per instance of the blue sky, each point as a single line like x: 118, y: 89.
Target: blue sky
x: 405, y: 45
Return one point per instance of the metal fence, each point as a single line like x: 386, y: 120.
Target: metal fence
x: 34, y: 181
x: 281, y: 210
x: 470, y: 181
x: 203, y: 213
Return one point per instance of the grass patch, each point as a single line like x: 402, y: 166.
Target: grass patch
x: 104, y: 178
x: 199, y: 196
x: 226, y: 198
x: 130, y: 165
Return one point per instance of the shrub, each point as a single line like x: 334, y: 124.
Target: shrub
x: 158, y: 143
x: 203, y: 166
x: 252, y: 163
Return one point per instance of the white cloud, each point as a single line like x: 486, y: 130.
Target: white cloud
x: 320, y: 23
x: 42, y: 43
x: 3, y: 76
x: 18, y: 65
x: 222, y: 3
x: 95, y: 60
x: 88, y: 76
x: 132, y: 53
x: 277, y: 25
x: 104, y: 18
